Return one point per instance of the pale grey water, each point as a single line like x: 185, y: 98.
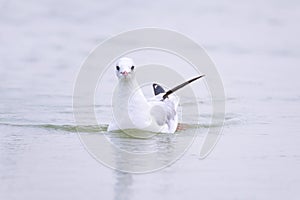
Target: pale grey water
x: 255, y: 46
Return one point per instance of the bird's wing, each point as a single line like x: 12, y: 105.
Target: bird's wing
x: 164, y: 105
x: 165, y: 112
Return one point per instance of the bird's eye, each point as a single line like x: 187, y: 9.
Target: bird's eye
x: 132, y: 68
x: 118, y: 68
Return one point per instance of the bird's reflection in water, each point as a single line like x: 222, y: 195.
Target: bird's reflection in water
x: 123, y: 186
x: 144, y: 155
x: 162, y: 144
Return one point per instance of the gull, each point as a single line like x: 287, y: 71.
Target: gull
x: 131, y: 109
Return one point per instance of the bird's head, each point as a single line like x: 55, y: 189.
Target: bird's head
x: 125, y: 69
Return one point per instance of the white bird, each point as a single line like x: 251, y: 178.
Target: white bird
x: 132, y: 110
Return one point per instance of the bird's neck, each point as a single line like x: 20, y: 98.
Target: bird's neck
x: 127, y: 86
x: 129, y: 90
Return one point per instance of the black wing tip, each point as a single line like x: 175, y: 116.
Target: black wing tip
x: 157, y: 89
x: 180, y: 86
x: 199, y: 76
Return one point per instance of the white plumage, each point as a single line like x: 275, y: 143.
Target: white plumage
x: 133, y: 111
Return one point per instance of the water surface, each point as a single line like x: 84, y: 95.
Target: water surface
x: 255, y: 46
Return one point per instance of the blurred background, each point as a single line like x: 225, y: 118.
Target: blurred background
x: 256, y: 48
